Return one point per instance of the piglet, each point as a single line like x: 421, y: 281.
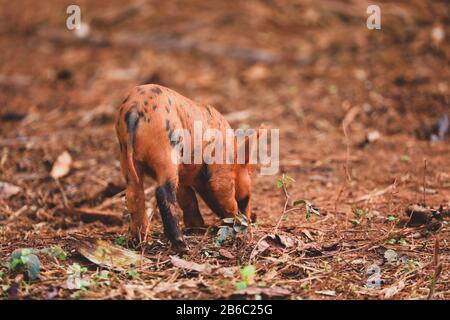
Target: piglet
x: 147, y: 119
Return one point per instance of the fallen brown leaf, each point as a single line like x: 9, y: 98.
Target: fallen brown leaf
x: 8, y: 190
x: 111, y: 256
x: 90, y: 215
x: 272, y: 240
x: 262, y: 246
x: 226, y: 254
x: 329, y: 293
x: 62, y: 165
x: 188, y: 265
x: 286, y: 241
x: 393, y: 290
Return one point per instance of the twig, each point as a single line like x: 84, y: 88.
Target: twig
x: 63, y: 193
x: 275, y: 229
x: 437, y: 268
x: 287, y: 197
x: 341, y: 190
x: 196, y: 250
x: 424, y: 182
x: 349, y: 117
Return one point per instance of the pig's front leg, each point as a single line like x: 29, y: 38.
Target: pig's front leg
x: 188, y: 203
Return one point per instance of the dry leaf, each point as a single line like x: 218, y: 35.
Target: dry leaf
x: 286, y: 241
x: 262, y: 246
x: 111, y: 256
x: 188, y: 265
x: 390, y: 256
x: 374, y: 194
x: 8, y: 190
x: 308, y: 234
x: 329, y: 293
x: 62, y: 165
x: 89, y: 215
x: 226, y: 254
x: 274, y: 240
x: 393, y: 290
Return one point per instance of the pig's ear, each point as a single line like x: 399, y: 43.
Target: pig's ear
x: 251, y: 142
x: 261, y: 130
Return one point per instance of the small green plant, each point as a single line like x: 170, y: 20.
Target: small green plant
x: 304, y: 287
x: 102, y: 278
x: 353, y: 288
x: 411, y: 265
x: 310, y: 209
x: 392, y: 218
x: 76, y: 279
x: 285, y: 180
x: 326, y: 266
x: 133, y: 274
x: 18, y: 259
x: 405, y: 158
x: 402, y: 241
x: 279, y: 184
x: 248, y: 274
x: 24, y: 260
x: 392, y: 241
x: 121, y: 241
x: 58, y: 253
x: 359, y: 214
x: 76, y: 270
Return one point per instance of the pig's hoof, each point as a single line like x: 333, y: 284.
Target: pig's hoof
x: 194, y: 223
x: 196, y: 230
x: 180, y: 246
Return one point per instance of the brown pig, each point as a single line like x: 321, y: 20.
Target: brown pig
x: 144, y: 125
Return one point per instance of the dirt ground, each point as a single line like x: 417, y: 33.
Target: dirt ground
x: 353, y: 105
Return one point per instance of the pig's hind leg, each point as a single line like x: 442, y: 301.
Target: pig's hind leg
x: 135, y: 201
